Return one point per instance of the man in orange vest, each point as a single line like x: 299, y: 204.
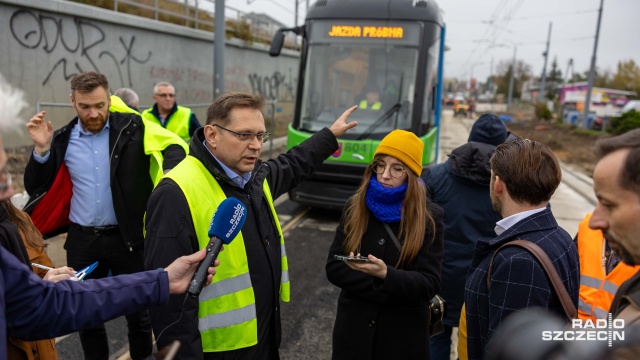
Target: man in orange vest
x: 617, y: 186
x: 601, y: 272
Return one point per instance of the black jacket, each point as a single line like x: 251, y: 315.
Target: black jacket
x: 461, y: 187
x: 385, y: 319
x: 171, y: 233
x: 131, y: 183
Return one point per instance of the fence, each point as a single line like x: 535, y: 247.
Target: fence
x: 199, y: 14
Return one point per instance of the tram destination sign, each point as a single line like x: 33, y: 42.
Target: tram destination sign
x: 394, y: 32
x: 332, y: 31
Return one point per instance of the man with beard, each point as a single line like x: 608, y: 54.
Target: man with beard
x: 616, y: 182
x: 524, y: 175
x: 93, y: 178
x: 601, y: 272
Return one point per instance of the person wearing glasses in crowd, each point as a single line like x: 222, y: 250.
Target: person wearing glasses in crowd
x: 178, y: 119
x: 239, y: 317
x: 92, y: 179
x: 383, y: 308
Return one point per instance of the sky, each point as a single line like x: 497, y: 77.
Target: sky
x: 480, y: 32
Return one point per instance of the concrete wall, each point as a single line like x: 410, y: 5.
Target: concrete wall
x: 46, y: 42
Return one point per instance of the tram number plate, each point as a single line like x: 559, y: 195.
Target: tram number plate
x: 355, y: 148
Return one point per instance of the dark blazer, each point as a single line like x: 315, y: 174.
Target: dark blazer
x: 385, y: 319
x: 518, y: 281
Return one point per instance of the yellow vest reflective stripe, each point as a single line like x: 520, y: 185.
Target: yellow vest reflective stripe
x: 285, y: 288
x: 156, y: 139
x: 227, y: 313
x: 376, y: 105
x: 597, y: 290
x: 178, y: 122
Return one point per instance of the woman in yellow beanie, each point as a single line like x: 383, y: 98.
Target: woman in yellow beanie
x: 383, y: 309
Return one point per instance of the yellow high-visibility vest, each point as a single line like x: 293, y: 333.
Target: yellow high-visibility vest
x: 227, y: 310
x: 179, y: 123
x: 364, y: 105
x: 156, y: 139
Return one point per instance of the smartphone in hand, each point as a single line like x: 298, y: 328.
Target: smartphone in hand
x: 353, y: 259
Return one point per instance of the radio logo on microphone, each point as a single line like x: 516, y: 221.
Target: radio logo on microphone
x: 238, y: 215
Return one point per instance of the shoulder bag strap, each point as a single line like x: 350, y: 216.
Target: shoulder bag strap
x: 393, y: 237
x: 547, y: 265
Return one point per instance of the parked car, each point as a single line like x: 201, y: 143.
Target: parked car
x: 448, y: 100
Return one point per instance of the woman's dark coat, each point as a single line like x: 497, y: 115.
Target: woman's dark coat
x: 385, y: 319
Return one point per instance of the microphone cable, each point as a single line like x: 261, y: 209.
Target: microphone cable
x: 184, y: 303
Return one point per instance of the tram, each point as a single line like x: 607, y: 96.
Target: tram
x: 384, y: 55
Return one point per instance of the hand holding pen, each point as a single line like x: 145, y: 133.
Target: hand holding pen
x: 57, y: 274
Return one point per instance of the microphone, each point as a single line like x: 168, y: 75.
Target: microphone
x: 225, y: 225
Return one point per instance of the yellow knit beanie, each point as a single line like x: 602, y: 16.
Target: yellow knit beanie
x: 404, y: 146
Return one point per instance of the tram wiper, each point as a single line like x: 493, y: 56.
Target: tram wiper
x: 394, y: 109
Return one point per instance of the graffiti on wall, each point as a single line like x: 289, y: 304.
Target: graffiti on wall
x: 190, y: 76
x: 78, y: 39
x: 270, y: 86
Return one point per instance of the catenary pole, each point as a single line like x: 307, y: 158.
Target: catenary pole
x: 592, y: 70
x: 218, y: 50
x: 543, y: 80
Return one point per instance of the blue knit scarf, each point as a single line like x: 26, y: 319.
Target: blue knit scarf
x: 385, y: 203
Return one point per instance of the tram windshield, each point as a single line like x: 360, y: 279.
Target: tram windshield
x: 370, y: 64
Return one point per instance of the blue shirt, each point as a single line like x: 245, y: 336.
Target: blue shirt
x: 240, y: 180
x: 87, y: 159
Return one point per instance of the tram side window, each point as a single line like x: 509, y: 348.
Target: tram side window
x: 428, y: 111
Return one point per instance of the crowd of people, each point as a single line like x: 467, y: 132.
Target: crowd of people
x: 134, y: 191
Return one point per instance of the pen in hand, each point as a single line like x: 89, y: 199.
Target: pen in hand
x: 60, y: 271
x: 41, y: 266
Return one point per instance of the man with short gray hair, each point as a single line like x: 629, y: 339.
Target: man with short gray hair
x: 178, y: 119
x: 129, y: 97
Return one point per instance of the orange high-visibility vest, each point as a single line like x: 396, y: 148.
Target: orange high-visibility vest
x: 596, y: 288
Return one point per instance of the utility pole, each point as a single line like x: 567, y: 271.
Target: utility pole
x: 543, y: 81
x: 592, y: 71
x: 295, y: 21
x: 491, y: 82
x: 566, y: 74
x: 513, y: 70
x: 218, y: 50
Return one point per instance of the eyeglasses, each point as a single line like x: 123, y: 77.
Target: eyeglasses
x: 170, y: 96
x: 396, y: 171
x: 5, y: 181
x: 247, y: 136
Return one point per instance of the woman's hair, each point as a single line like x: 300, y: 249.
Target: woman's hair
x: 19, y: 218
x: 413, y: 224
